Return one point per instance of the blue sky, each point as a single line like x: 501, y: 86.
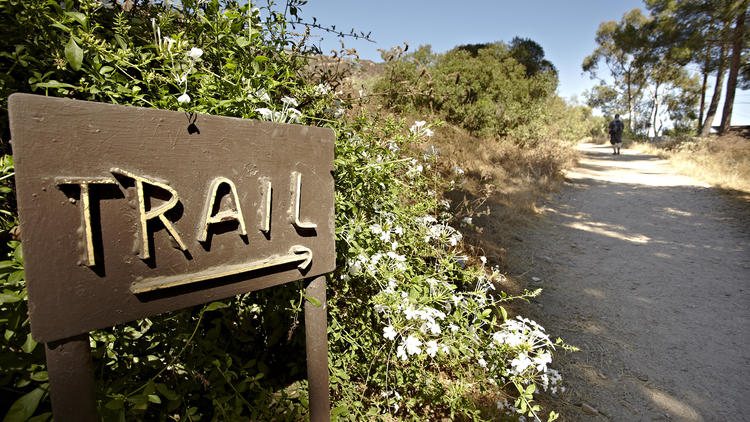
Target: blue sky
x: 565, y: 29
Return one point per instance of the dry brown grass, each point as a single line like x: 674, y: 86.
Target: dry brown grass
x: 721, y: 161
x: 504, y: 183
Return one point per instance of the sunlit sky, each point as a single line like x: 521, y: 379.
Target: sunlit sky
x: 565, y: 29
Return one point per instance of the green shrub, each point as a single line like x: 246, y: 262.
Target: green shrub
x: 486, y: 90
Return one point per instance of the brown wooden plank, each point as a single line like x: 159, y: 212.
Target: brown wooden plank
x: 62, y: 147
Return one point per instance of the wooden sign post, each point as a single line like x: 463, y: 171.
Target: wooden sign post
x: 129, y: 212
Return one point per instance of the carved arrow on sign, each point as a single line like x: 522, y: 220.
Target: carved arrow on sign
x: 297, y: 253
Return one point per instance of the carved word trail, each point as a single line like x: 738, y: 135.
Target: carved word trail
x: 208, y: 216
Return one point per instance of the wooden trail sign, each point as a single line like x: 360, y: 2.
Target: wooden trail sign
x: 128, y: 212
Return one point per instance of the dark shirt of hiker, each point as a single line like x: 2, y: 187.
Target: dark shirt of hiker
x: 615, y: 130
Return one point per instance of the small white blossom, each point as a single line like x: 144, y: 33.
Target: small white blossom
x: 389, y: 333
x: 520, y: 363
x: 184, y: 98
x: 265, y: 113
x: 401, y: 352
x: 412, y: 345
x: 195, y: 53
x: 432, y: 348
x: 482, y: 362
x: 289, y: 101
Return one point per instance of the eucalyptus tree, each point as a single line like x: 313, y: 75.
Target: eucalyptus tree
x: 619, y: 44
x: 705, y: 32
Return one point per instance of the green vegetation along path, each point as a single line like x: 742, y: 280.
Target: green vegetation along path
x: 648, y: 272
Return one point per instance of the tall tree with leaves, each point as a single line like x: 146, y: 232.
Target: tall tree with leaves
x: 704, y: 31
x: 618, y: 46
x: 737, y: 38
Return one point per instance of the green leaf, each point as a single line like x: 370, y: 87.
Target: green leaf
x: 121, y: 42
x: 24, y: 407
x: 153, y: 398
x: 115, y: 404
x: 215, y: 305
x: 315, y: 302
x: 530, y: 389
x: 243, y: 42
x: 74, y: 54
x: 44, y: 417
x: 78, y: 16
x: 29, y: 345
x: 8, y: 298
x: 40, y: 376
x: 60, y: 26
x: 505, y: 313
x: 106, y: 69
x: 53, y: 84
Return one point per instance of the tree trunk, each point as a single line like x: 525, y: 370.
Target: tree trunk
x: 655, y: 108
x: 703, y: 92
x: 734, y: 68
x: 711, y: 113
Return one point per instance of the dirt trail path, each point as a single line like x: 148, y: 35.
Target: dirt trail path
x: 648, y: 272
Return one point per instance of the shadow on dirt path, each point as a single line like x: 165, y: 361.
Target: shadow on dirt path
x: 648, y: 272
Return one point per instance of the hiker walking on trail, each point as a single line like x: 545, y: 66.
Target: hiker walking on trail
x: 615, y: 134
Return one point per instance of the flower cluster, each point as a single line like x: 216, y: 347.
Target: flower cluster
x: 419, y: 130
x: 287, y: 114
x: 437, y: 307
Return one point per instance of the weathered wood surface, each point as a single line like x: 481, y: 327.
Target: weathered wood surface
x: 138, y: 161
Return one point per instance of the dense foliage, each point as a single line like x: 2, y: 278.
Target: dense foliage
x: 490, y: 89
x: 647, y: 77
x: 416, y: 329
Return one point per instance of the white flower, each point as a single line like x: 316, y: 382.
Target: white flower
x: 483, y: 259
x: 401, y: 353
x: 294, y: 115
x: 263, y: 95
x: 482, y: 362
x: 542, y: 360
x: 412, y: 345
x: 428, y: 133
x: 322, y: 89
x: 389, y: 333
x: 184, y: 98
x: 459, y: 171
x: 417, y: 126
x: 398, y: 230
x: 355, y: 268
x: 432, y: 150
x: 411, y: 313
x: 339, y: 112
x: 385, y: 236
x: 265, y: 113
x: 453, y: 327
x: 394, y: 245
x: 396, y: 257
x: 432, y: 348
x: 289, y: 101
x: 169, y: 42
x: 466, y: 220
x: 376, y: 229
x: 446, y: 350
x: 520, y: 363
x: 195, y: 53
